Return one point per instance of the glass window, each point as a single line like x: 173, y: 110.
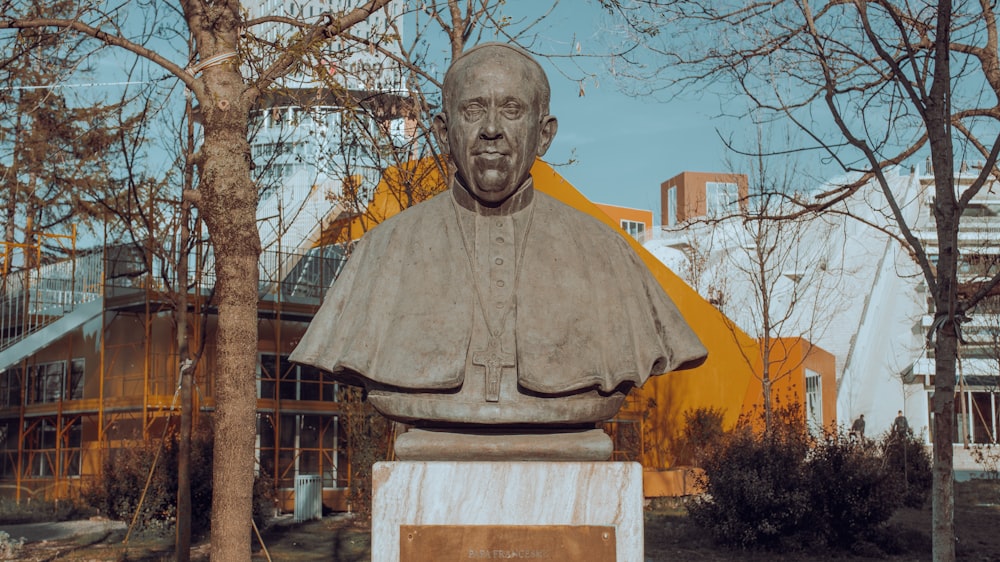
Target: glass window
x: 981, y: 412
x: 47, y: 453
x: 721, y: 198
x: 296, y: 382
x: 8, y: 448
x: 10, y: 388
x: 265, y: 436
x: 814, y: 401
x: 635, y: 229
x: 76, y: 375
x: 266, y: 378
x: 46, y: 382
x: 672, y: 206
x: 294, y: 444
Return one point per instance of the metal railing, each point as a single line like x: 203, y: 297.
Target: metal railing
x: 32, y: 299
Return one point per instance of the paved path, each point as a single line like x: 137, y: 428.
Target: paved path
x: 35, y: 532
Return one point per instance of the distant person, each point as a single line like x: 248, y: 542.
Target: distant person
x: 858, y: 428
x: 900, y: 425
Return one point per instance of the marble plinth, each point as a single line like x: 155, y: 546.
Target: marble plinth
x: 440, y: 445
x: 507, y: 494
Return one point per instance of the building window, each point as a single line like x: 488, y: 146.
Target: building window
x: 8, y: 448
x: 290, y: 445
x: 672, y: 206
x: 976, y: 416
x: 10, y: 388
x: 721, y: 198
x: 291, y: 381
x: 49, y: 453
x: 814, y: 402
x: 48, y: 382
x: 635, y: 229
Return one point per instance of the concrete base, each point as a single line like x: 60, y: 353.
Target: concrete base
x: 507, y: 494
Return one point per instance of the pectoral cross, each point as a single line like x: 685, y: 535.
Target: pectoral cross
x: 495, y: 360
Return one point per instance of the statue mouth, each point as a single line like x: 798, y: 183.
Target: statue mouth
x: 490, y: 155
x: 492, y: 161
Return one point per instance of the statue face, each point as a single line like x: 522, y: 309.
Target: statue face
x: 493, y: 125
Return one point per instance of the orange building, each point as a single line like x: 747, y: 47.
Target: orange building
x: 800, y: 372
x: 638, y: 223
x: 699, y: 194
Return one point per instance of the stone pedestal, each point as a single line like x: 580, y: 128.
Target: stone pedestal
x: 484, y: 510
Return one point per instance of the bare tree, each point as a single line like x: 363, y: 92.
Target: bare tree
x: 226, y: 197
x: 236, y: 62
x: 870, y: 84
x: 773, y: 277
x: 57, y: 162
x: 792, y: 294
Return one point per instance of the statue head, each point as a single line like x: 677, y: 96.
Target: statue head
x: 495, y: 120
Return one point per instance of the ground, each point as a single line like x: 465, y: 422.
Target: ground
x: 669, y: 536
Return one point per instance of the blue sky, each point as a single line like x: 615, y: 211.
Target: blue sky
x: 622, y: 146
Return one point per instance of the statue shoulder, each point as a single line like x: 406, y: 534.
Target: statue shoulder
x: 569, y: 219
x: 431, y: 212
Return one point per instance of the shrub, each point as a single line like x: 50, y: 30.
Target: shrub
x: 34, y: 510
x: 987, y: 456
x: 118, y: 492
x: 781, y: 487
x: 851, y: 491
x: 702, y: 433
x: 369, y: 440
x: 756, y: 493
x: 909, y: 465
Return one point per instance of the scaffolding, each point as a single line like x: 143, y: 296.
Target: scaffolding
x: 88, y: 365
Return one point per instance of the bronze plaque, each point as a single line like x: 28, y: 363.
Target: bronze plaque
x: 555, y: 543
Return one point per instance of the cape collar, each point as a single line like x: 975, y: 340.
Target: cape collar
x: 519, y: 201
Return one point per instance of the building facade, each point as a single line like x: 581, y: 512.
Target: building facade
x: 88, y: 366
x: 699, y: 194
x: 874, y: 307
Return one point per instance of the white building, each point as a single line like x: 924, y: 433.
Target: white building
x: 321, y: 137
x: 848, y: 285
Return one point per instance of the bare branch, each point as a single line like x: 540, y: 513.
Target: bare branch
x: 104, y: 37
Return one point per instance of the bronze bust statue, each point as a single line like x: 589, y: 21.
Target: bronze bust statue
x: 497, y: 320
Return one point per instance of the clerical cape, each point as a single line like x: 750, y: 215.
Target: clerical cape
x: 588, y: 314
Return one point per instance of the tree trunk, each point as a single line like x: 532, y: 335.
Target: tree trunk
x: 943, y: 483
x: 229, y: 203
x: 947, y: 221
x: 183, y: 537
x: 768, y: 408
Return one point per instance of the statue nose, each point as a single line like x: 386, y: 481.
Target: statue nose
x: 491, y: 127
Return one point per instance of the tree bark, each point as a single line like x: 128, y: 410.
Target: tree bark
x: 230, y: 202
x: 943, y: 481
x: 946, y: 216
x: 185, y: 370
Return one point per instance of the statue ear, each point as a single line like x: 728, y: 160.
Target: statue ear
x: 440, y: 128
x: 546, y: 134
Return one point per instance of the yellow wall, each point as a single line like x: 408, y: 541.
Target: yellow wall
x: 725, y: 381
